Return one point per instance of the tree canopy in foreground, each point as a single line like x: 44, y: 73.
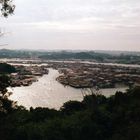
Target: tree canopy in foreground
x: 95, y: 118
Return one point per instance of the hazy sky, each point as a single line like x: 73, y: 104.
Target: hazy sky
x: 73, y: 24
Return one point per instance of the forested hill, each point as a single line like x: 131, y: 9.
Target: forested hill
x: 75, y: 55
x: 103, y: 56
x: 5, y: 53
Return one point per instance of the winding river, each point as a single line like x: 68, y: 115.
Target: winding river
x: 47, y: 92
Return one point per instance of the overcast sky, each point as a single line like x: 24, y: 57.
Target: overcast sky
x: 73, y: 24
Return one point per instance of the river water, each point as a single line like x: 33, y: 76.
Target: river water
x: 47, y: 92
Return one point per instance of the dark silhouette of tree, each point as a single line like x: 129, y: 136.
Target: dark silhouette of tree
x: 6, y: 105
x: 7, y: 7
x: 96, y: 117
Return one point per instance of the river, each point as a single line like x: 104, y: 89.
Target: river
x: 47, y: 92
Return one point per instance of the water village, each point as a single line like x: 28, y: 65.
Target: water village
x: 79, y: 75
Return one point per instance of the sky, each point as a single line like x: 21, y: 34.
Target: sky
x: 73, y: 25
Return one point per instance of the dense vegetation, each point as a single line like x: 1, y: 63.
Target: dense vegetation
x: 75, y: 55
x: 95, y: 118
x: 94, y: 56
x: 6, y: 68
x: 125, y: 57
x: 5, y: 53
x: 5, y: 81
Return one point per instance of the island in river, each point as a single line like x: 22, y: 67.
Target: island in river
x: 80, y: 74
x: 47, y: 92
x: 59, y: 82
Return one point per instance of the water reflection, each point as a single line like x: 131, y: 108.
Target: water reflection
x: 47, y: 92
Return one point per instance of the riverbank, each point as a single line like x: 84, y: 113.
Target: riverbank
x: 81, y: 75
x: 26, y: 75
x: 47, y: 92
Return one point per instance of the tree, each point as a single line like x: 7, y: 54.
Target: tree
x: 7, y: 7
x: 5, y: 104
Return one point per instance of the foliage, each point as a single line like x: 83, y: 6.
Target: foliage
x: 6, y: 106
x: 125, y: 58
x: 4, y: 83
x: 96, y: 117
x: 7, y: 7
x: 6, y: 68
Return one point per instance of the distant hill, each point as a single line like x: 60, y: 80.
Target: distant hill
x: 5, y: 53
x: 75, y: 55
x: 98, y: 56
x: 118, y: 52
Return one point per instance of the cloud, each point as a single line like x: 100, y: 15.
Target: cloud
x: 93, y: 13
x: 107, y: 19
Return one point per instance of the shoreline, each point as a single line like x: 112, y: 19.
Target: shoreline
x: 48, y: 92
